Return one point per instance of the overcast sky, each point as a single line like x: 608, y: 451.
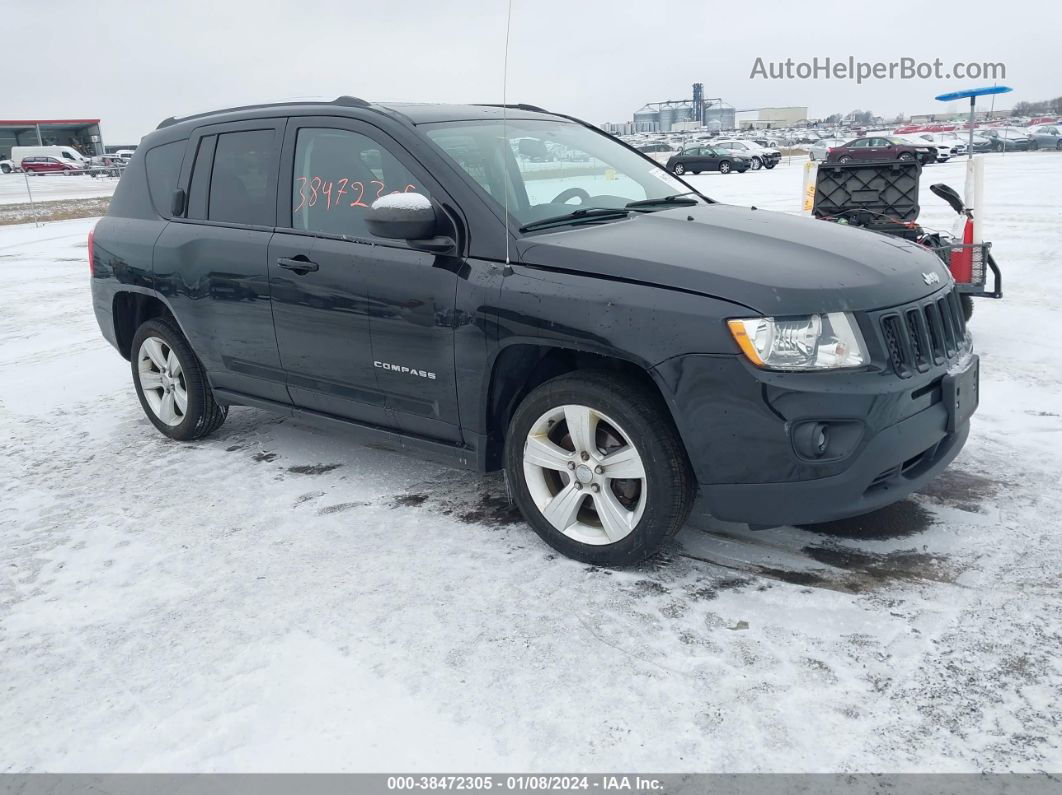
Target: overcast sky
x: 134, y: 63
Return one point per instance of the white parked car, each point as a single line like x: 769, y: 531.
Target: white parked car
x: 761, y: 156
x: 944, y: 150
x: 821, y: 148
x: 6, y: 166
x: 951, y: 140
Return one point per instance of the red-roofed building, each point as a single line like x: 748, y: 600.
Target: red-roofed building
x: 82, y: 134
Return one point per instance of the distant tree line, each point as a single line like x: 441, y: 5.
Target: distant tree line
x: 1047, y: 107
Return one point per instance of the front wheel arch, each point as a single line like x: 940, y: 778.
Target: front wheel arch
x: 521, y: 366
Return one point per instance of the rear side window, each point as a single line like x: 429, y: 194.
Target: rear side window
x: 163, y: 165
x: 338, y: 175
x: 241, y: 190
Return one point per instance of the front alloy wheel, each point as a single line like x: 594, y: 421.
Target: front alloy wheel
x: 756, y: 164
x: 584, y: 474
x: 724, y: 167
x: 597, y: 468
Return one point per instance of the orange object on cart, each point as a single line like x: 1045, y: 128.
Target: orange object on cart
x: 961, y: 261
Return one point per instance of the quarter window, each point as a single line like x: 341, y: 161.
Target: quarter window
x: 163, y: 167
x: 338, y: 175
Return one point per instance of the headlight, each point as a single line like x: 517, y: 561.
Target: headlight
x: 809, y: 342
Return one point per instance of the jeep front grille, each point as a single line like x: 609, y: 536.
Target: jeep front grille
x: 922, y: 335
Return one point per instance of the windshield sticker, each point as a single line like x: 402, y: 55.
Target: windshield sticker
x: 667, y: 179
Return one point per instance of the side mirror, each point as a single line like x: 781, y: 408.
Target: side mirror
x: 402, y: 216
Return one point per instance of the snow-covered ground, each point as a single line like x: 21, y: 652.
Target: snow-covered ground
x: 275, y: 598
x: 20, y: 189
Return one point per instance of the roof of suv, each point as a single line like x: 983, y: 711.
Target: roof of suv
x: 412, y: 112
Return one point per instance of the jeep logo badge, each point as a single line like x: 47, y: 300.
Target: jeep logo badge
x: 931, y: 278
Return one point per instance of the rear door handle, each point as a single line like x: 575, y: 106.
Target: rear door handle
x: 299, y: 264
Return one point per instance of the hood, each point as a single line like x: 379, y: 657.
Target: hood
x: 773, y: 263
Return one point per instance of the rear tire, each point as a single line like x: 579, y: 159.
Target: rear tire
x: 679, y: 169
x: 845, y: 159
x: 724, y: 167
x: 165, y: 369
x: 967, y: 305
x: 558, y: 450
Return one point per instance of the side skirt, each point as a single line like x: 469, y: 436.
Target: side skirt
x: 453, y: 455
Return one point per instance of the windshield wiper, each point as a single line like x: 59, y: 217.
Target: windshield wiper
x: 677, y: 199
x: 577, y: 216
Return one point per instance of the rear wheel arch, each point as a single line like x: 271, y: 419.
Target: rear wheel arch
x: 130, y: 311
x: 520, y: 367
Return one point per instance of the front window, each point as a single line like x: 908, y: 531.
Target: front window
x: 545, y: 168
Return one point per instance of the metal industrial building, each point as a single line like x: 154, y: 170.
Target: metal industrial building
x: 685, y: 114
x: 82, y: 134
x: 698, y: 112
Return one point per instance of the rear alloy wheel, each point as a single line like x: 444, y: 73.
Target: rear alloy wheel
x: 679, y: 169
x: 597, y: 469
x: 724, y: 167
x: 162, y: 381
x: 1058, y: 146
x: 171, y: 384
x: 845, y: 159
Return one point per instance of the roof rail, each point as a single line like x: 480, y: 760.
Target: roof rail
x: 345, y: 101
x: 519, y: 106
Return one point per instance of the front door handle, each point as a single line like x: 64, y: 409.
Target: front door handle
x: 300, y: 264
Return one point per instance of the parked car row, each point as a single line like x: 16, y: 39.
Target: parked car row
x: 64, y: 160
x: 725, y: 156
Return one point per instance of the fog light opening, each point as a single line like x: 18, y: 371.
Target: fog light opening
x: 812, y: 439
x: 822, y: 438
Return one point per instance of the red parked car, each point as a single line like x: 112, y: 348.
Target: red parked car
x: 880, y: 148
x: 43, y: 165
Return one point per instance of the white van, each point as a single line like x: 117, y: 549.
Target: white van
x: 63, y: 153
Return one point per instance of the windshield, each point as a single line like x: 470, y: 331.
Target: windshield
x: 551, y: 167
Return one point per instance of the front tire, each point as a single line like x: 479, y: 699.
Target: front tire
x: 967, y: 306
x: 171, y: 384
x: 724, y: 167
x: 757, y: 164
x: 597, y: 468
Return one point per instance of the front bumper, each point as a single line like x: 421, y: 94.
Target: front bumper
x: 890, y: 426
x: 894, y: 463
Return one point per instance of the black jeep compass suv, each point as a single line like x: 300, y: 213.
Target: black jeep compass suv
x: 510, y: 288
